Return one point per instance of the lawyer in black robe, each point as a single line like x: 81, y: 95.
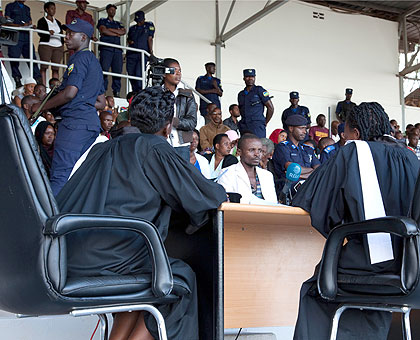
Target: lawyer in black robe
x: 333, y: 195
x: 138, y: 175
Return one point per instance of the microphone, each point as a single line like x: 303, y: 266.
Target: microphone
x: 292, y: 175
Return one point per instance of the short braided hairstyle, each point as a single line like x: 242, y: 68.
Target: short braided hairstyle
x: 370, y: 119
x: 151, y: 109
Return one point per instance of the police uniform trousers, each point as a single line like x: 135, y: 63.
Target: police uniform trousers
x: 22, y: 48
x: 135, y: 68
x: 111, y: 58
x: 69, y: 145
x: 257, y: 127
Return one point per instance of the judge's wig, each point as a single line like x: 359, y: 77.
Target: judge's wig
x: 370, y: 119
x: 151, y: 109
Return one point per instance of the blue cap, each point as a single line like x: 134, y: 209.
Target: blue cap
x: 340, y: 128
x: 296, y: 120
x: 80, y: 26
x: 349, y: 91
x: 249, y: 72
x: 294, y: 95
x: 139, y: 16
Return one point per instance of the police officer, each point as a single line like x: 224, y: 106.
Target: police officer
x: 210, y: 87
x: 292, y: 150
x: 139, y: 36
x: 81, y: 95
x: 252, y: 100
x: 21, y: 15
x: 295, y: 109
x: 345, y: 106
x: 329, y: 151
x: 111, y: 31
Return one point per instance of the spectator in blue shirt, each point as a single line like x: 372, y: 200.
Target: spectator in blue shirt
x: 111, y: 31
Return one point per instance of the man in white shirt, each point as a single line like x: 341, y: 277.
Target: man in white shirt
x: 255, y: 185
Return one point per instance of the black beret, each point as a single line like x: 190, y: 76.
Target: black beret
x: 249, y: 72
x: 296, y: 120
x: 349, y: 91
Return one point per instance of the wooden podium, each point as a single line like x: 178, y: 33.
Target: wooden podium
x: 269, y: 251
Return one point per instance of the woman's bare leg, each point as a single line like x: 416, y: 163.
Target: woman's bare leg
x: 123, y: 325
x: 140, y: 331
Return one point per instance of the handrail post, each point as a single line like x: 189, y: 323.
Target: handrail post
x: 31, y: 53
x: 143, y: 65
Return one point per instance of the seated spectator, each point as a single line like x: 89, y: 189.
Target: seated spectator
x: 278, y: 136
x: 311, y: 143
x: 408, y: 128
x: 232, y: 121
x: 27, y: 103
x: 110, y: 106
x: 399, y: 135
x: 334, y: 130
x: 45, y: 136
x: 324, y: 142
x: 54, y: 82
x: 330, y: 150
x: 319, y: 131
x: 144, y: 181
x: 106, y: 123
x: 395, y: 126
x: 196, y: 159
x: 255, y: 185
x: 413, y: 140
x: 267, y: 152
x: 49, y: 117
x: 221, y: 158
x: 233, y: 136
x: 28, y: 86
x: 40, y: 91
x: 211, y: 129
x: 50, y: 47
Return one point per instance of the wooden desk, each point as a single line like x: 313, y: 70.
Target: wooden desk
x: 268, y: 253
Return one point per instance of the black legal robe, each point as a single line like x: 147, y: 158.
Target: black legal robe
x: 138, y: 175
x: 333, y: 195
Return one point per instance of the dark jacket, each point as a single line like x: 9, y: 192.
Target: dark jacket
x: 43, y: 25
x: 227, y: 161
x: 186, y: 115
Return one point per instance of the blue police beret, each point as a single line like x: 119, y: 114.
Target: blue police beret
x: 296, y: 120
x: 80, y: 26
x: 249, y: 72
x: 341, y: 128
x: 349, y: 91
x: 139, y: 16
x: 294, y: 95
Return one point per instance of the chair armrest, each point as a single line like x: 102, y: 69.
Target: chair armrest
x: 327, y: 275
x: 162, y: 280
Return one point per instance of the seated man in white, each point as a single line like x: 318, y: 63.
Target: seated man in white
x: 255, y: 185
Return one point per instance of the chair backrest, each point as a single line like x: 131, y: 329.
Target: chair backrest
x: 26, y: 203
x: 415, y: 203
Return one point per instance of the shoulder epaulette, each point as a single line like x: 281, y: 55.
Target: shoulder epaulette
x: 329, y: 148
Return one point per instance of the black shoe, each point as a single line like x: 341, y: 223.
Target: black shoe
x: 116, y: 94
x: 18, y: 82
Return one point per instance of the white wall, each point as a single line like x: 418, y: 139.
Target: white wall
x: 290, y: 51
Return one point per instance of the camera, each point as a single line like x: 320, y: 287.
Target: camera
x: 8, y: 36
x: 157, y: 71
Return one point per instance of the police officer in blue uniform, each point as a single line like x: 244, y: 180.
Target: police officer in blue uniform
x: 210, y: 87
x: 345, y: 106
x: 81, y: 95
x: 330, y: 150
x: 295, y: 109
x: 139, y: 36
x: 111, y: 31
x: 252, y: 100
x: 21, y: 15
x: 292, y: 150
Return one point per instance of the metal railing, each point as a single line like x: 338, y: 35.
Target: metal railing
x: 143, y: 53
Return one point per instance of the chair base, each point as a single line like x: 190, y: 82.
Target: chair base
x: 400, y: 309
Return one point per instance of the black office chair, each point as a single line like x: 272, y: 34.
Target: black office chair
x: 33, y: 254
x: 399, y: 292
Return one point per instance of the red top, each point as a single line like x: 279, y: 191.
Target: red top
x: 316, y: 133
x: 74, y: 14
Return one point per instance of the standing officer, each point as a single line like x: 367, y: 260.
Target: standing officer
x: 252, y: 100
x: 345, y: 106
x: 210, y: 87
x: 81, y: 95
x: 139, y: 36
x: 292, y: 150
x: 21, y: 16
x: 295, y: 109
x: 111, y: 31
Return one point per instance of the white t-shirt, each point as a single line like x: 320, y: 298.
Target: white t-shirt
x: 54, y: 40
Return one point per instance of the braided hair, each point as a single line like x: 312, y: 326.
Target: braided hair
x: 370, y: 119
x: 151, y: 109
